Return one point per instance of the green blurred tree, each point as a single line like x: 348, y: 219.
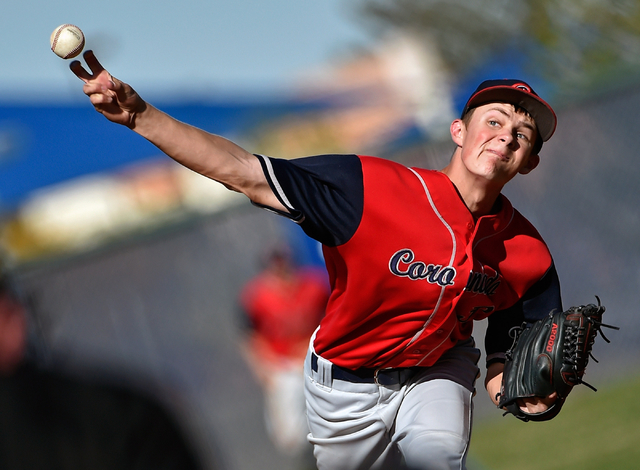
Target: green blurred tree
x: 577, y: 46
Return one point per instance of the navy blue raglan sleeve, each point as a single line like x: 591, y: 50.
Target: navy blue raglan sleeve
x: 324, y: 194
x: 541, y: 299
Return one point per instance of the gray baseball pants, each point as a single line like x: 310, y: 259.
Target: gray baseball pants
x: 421, y: 424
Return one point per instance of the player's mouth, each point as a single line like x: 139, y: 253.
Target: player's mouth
x: 501, y: 155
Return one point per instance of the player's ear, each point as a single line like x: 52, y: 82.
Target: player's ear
x: 457, y: 130
x: 532, y: 162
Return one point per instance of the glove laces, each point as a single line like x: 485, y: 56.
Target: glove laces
x: 579, y: 340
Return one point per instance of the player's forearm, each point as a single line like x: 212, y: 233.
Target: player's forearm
x: 493, y: 381
x: 208, y: 154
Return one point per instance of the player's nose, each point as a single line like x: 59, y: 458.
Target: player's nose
x: 508, y: 136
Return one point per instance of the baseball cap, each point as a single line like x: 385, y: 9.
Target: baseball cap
x: 517, y: 93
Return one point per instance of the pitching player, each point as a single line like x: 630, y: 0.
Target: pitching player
x: 413, y: 256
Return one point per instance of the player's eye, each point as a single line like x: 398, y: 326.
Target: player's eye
x: 523, y: 136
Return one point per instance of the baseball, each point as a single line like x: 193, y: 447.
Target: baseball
x: 67, y: 41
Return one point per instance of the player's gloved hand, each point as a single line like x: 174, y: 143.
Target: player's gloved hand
x: 534, y: 405
x: 549, y: 357
x: 530, y: 405
x: 116, y: 100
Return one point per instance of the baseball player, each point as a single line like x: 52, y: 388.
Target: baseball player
x: 281, y: 307
x: 414, y: 256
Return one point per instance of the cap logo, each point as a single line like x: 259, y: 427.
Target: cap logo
x: 522, y: 86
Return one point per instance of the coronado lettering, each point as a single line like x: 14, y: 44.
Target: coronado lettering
x: 552, y: 337
x: 480, y: 283
x: 402, y: 264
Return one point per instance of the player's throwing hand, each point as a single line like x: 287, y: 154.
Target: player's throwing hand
x: 116, y: 100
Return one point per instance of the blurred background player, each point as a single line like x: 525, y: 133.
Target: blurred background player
x: 281, y: 308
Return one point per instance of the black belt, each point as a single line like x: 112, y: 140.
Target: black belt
x: 386, y: 377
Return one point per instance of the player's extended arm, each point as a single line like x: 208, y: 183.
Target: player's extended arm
x: 210, y: 155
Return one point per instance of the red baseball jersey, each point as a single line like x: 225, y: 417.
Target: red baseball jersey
x: 409, y: 267
x: 284, y: 312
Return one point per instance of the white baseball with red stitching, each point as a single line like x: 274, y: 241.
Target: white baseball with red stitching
x: 67, y: 41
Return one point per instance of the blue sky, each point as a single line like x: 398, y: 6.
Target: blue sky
x: 177, y: 47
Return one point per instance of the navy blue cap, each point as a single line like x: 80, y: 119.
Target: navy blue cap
x: 519, y: 94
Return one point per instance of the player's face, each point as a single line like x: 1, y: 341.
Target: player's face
x: 497, y: 141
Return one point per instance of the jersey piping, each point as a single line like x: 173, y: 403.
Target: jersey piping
x: 453, y: 254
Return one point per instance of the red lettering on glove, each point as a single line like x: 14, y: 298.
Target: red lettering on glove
x: 552, y: 337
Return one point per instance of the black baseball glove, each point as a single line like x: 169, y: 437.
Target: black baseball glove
x: 548, y: 356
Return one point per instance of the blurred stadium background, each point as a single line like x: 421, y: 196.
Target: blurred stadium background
x: 132, y: 264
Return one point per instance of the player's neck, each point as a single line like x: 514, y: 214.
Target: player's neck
x: 478, y: 194
x: 478, y: 201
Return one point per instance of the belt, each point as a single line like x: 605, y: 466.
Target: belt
x: 386, y: 377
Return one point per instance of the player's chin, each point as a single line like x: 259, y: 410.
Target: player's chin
x: 496, y: 174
